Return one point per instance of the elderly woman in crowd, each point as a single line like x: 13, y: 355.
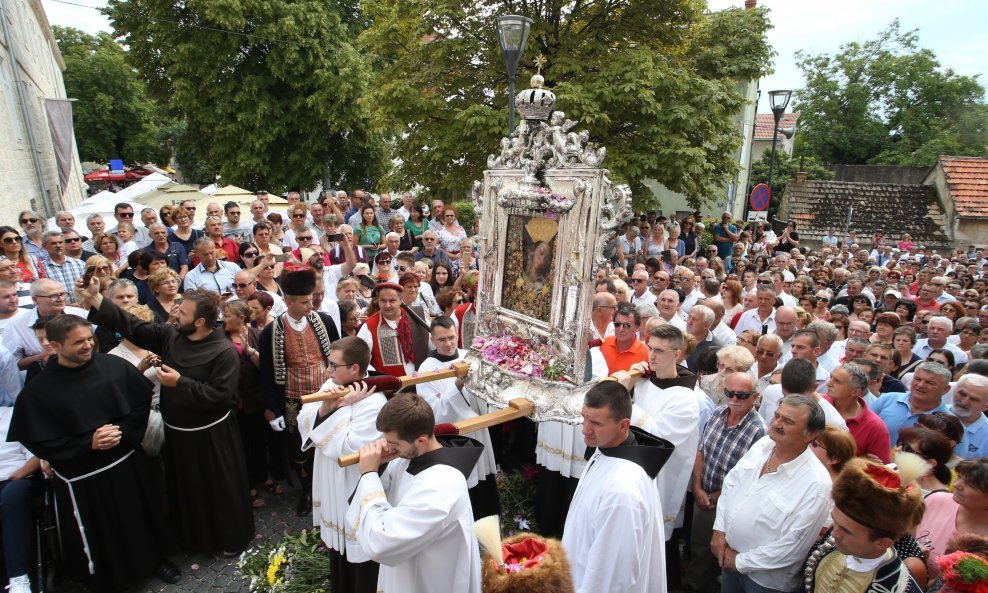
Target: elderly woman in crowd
x: 967, y: 330
x: 673, y: 241
x: 260, y: 304
x: 266, y: 270
x: 164, y: 286
x: 450, y: 234
x: 183, y: 233
x: 953, y: 310
x: 406, y: 242
x: 109, y: 246
x: 349, y: 318
x: 730, y: 359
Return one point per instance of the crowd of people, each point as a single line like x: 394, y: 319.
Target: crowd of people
x: 785, y: 417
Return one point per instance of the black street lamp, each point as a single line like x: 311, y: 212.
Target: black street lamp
x: 512, y: 36
x: 779, y: 100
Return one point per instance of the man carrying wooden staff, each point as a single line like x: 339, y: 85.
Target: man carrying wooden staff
x: 335, y: 427
x: 414, y: 517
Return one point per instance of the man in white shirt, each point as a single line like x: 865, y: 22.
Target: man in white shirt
x: 212, y: 274
x: 768, y: 351
x: 938, y: 329
x: 785, y: 328
x: 245, y: 284
x: 641, y: 294
x: 798, y: 376
x: 687, y: 283
x: 602, y: 315
x: 773, y: 504
x: 762, y: 317
x: 668, y: 304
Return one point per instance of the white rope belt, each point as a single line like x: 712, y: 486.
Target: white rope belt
x: 210, y: 425
x: 75, y: 507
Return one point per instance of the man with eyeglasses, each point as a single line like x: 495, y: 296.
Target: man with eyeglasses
x: 245, y: 284
x: 233, y: 227
x: 767, y: 354
x: 33, y: 225
x: 667, y: 405
x: 430, y: 249
x: 732, y: 430
x: 59, y: 267
x: 50, y: 299
x: 294, y: 352
x: 124, y: 212
x: 640, y: 294
x: 621, y: 350
x: 337, y: 427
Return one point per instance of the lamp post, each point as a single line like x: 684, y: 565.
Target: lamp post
x: 779, y: 100
x: 512, y: 36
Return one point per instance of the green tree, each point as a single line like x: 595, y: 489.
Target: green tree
x: 785, y: 169
x: 112, y: 115
x: 887, y: 101
x: 654, y: 82
x: 270, y: 89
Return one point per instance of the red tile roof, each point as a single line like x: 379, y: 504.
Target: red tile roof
x: 967, y: 181
x: 764, y: 121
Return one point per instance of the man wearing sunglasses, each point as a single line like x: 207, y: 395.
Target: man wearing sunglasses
x: 33, y: 225
x: 731, y: 431
x: 124, y: 212
x: 623, y: 349
x: 234, y: 227
x: 639, y: 283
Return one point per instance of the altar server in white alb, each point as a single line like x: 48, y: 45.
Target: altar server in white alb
x: 613, y: 535
x: 335, y: 428
x: 414, y: 517
x: 451, y: 402
x: 668, y: 407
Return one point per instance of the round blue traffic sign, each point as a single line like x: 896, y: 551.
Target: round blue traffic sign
x: 760, y: 197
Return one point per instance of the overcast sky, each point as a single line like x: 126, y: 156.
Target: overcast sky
x: 953, y: 29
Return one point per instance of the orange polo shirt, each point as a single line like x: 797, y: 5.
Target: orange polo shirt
x: 622, y: 360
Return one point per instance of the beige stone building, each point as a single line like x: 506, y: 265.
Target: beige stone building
x: 31, y: 85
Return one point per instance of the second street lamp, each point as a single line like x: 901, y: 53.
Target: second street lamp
x: 512, y: 36
x: 779, y: 100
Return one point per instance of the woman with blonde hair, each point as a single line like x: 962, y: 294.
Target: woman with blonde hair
x: 730, y: 359
x: 164, y: 285
x: 621, y: 290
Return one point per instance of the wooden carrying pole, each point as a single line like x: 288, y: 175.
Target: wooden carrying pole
x: 516, y: 409
x: 460, y: 369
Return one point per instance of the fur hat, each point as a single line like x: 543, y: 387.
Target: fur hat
x: 552, y: 575
x: 300, y: 283
x: 880, y: 497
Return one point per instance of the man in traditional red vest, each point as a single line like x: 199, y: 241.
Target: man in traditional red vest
x: 398, y: 339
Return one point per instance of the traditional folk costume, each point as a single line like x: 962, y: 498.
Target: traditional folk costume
x: 294, y: 356
x: 879, y: 498
x: 414, y: 518
x: 450, y: 404
x: 339, y: 433
x: 397, y: 347
x: 613, y: 536
x: 108, y: 513
x: 669, y: 408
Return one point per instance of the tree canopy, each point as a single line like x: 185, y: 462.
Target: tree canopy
x: 887, y: 101
x: 657, y: 83
x: 113, y: 116
x: 271, y: 89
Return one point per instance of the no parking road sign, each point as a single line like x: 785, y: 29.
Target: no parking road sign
x: 761, y: 195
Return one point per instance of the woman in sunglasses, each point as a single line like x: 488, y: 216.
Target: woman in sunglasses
x: 249, y: 253
x: 13, y: 249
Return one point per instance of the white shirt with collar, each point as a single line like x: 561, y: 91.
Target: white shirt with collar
x: 922, y: 349
x: 773, y: 395
x: 647, y: 298
x: 751, y: 320
x: 12, y: 455
x: 690, y: 300
x: 772, y: 520
x: 220, y: 281
x: 724, y: 335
